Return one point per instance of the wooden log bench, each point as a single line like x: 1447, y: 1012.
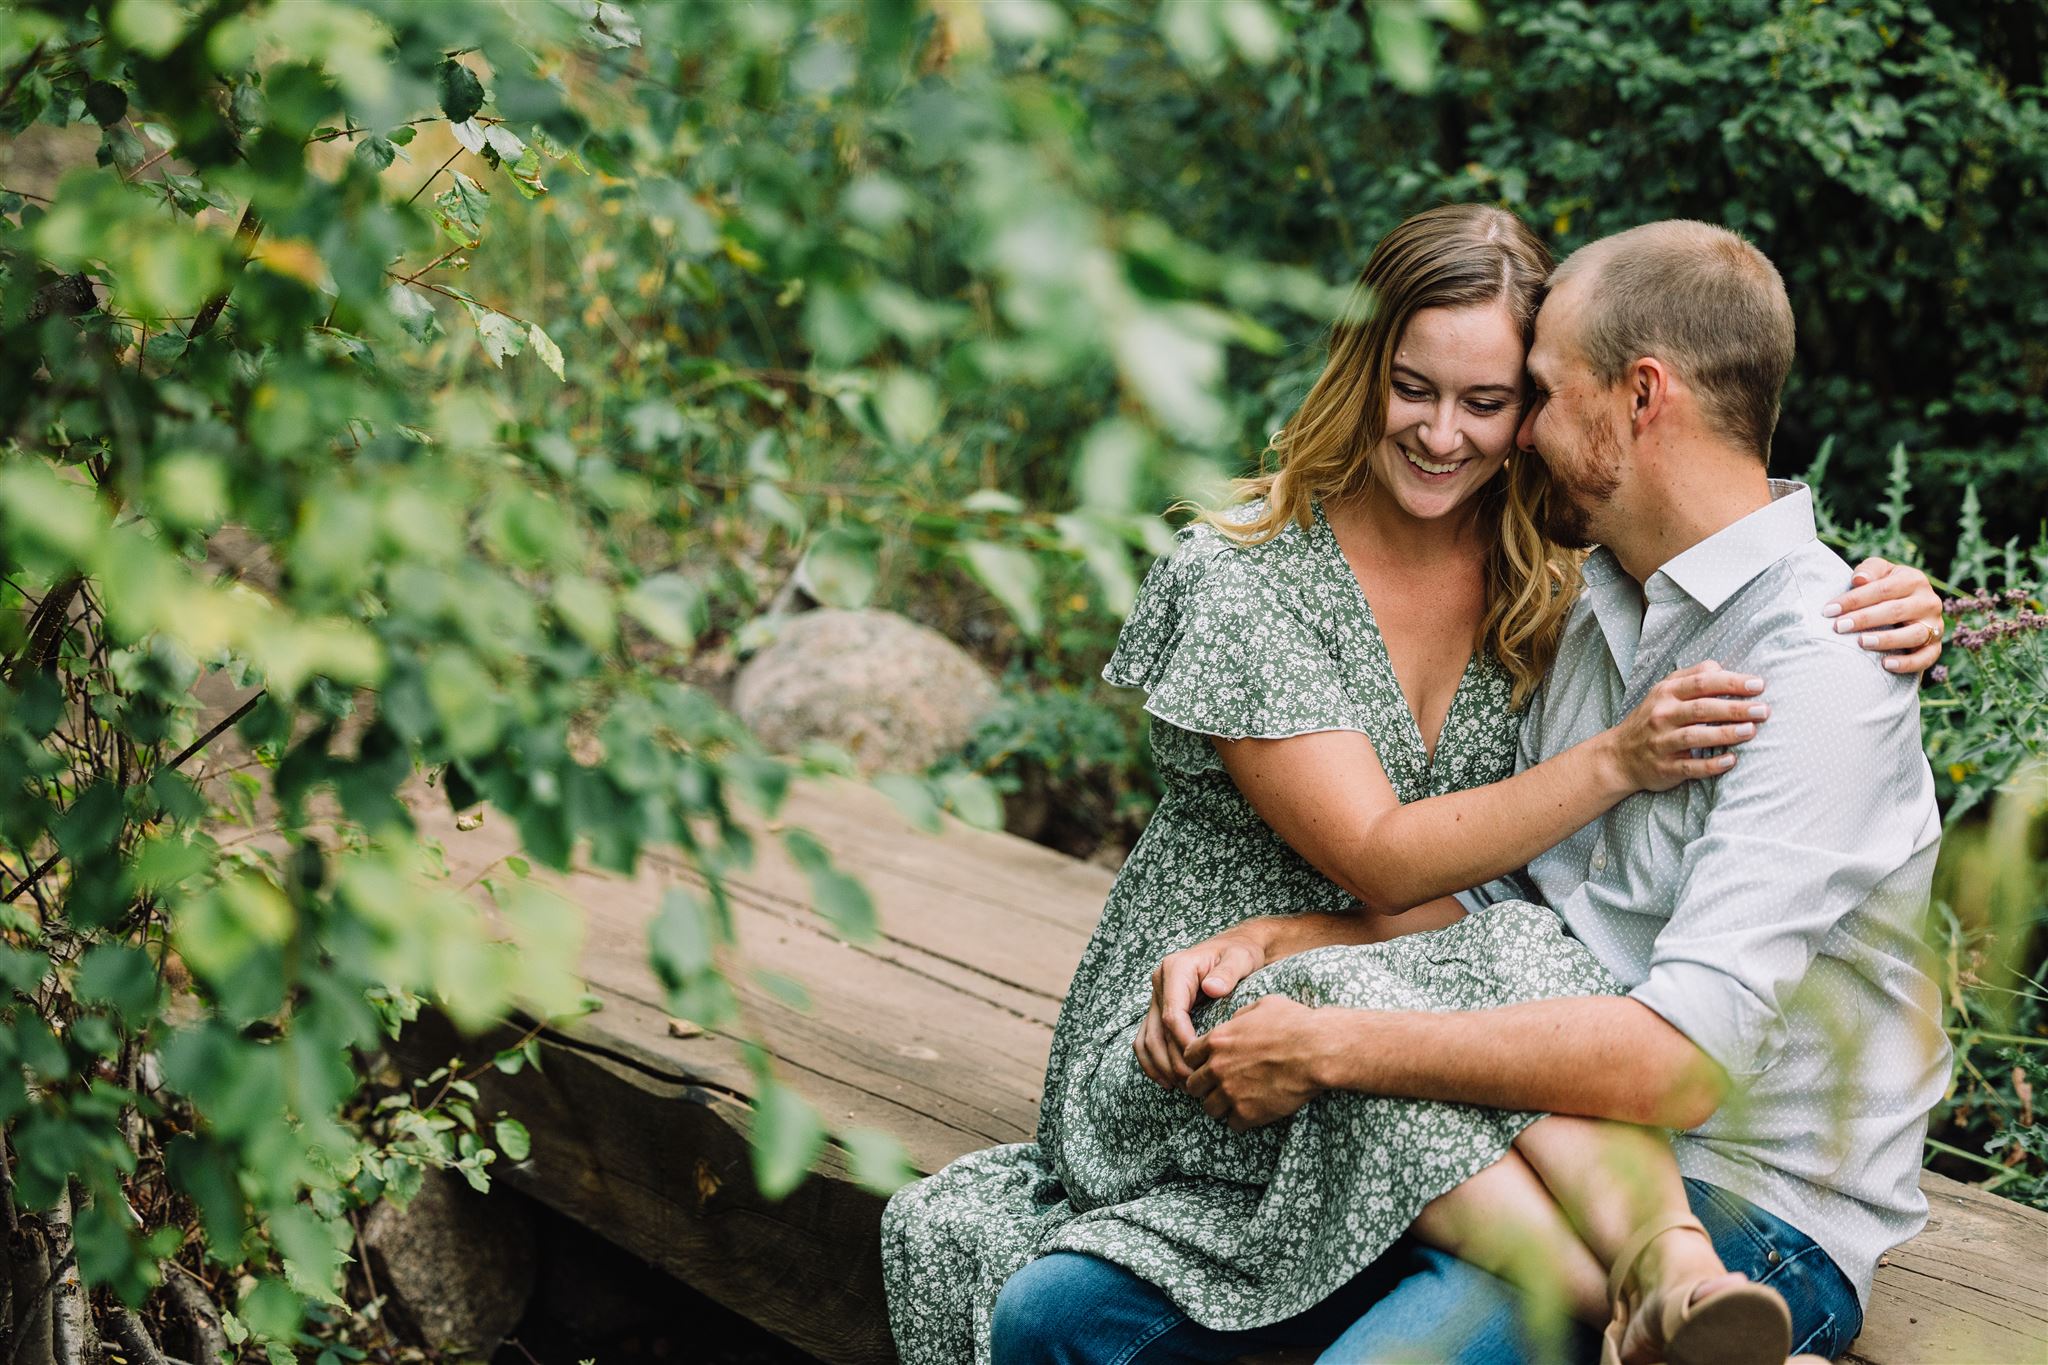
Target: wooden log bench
x: 938, y: 1034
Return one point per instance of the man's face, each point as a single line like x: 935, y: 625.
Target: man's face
x: 1573, y: 422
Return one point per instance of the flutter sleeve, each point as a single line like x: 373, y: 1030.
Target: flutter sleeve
x: 1220, y: 649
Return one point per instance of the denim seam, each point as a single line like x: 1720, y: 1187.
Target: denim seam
x: 1786, y: 1263
x: 1169, y: 1320
x: 1825, y: 1330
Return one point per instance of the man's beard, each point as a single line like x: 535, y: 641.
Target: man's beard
x: 1577, y: 497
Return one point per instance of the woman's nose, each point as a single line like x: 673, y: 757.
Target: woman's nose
x: 1440, y: 435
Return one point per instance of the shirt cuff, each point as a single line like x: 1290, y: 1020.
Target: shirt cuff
x: 1722, y: 1017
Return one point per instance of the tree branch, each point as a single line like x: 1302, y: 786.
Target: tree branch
x: 135, y: 1340
x: 246, y: 233
x: 70, y: 1320
x: 194, y: 747
x: 202, y: 1320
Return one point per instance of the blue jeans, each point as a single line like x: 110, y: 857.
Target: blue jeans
x: 1413, y: 1304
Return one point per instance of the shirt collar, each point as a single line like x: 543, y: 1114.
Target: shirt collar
x: 1712, y: 571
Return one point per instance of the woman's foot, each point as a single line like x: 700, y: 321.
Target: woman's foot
x: 1675, y: 1303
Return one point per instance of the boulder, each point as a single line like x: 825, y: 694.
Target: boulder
x: 896, y: 695
x: 456, y: 1266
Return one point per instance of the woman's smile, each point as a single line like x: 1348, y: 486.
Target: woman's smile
x: 1434, y: 471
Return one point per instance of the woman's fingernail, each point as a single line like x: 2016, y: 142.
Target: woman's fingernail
x: 1759, y: 711
x: 1745, y: 729
x: 1845, y: 625
x: 1894, y: 665
x: 1831, y: 609
x: 1753, y: 684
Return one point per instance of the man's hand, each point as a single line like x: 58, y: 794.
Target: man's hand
x: 1211, y: 968
x: 1258, y: 1066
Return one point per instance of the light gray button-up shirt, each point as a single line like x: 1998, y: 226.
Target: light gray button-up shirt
x: 1773, y: 915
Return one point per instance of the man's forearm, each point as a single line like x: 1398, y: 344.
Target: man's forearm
x: 1600, y: 1056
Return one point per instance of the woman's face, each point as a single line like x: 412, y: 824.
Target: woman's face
x: 1452, y: 407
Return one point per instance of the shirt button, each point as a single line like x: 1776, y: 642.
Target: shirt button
x: 1599, y: 862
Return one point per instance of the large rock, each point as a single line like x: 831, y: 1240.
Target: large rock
x: 896, y: 695
x: 457, y: 1266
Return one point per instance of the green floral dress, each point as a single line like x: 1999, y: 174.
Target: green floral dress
x: 1239, y: 1229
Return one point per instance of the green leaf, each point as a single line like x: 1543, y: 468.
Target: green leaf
x: 311, y: 1258
x: 544, y: 347
x: 120, y: 976
x: 783, y: 988
x: 151, y: 27
x: 878, y: 1160
x: 414, y: 312
x: 1405, y: 44
x: 912, y: 797
x: 770, y: 502
x: 787, y: 1138
x: 992, y: 500
x: 585, y: 606
x: 973, y: 798
x: 762, y: 781
x: 501, y: 336
x: 464, y: 698
x: 1012, y: 578
x: 671, y: 607
x: 908, y: 405
x: 106, y: 102
x: 459, y: 210
x: 1112, y: 458
x: 512, y: 1139
x: 462, y: 94
x: 841, y: 567
x: 845, y: 904
x: 271, y: 1309
x: 680, y: 939
x: 376, y: 152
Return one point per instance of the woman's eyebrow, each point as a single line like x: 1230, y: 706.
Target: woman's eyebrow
x: 1412, y: 373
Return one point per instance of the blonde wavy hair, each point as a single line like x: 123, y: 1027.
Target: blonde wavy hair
x: 1449, y: 257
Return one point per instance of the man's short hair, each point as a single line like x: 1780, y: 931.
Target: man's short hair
x: 1701, y: 299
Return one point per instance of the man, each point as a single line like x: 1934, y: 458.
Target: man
x: 1766, y: 925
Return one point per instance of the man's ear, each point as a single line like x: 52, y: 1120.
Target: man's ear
x: 1650, y: 392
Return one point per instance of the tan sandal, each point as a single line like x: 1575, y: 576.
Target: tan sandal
x: 1745, y: 1324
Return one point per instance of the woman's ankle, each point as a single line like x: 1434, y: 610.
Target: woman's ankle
x: 1681, y: 1256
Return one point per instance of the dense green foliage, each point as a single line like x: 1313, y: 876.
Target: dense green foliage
x: 454, y: 386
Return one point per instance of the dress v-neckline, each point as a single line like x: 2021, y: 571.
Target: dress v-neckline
x: 1423, y: 749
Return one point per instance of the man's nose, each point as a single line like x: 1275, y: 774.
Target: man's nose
x: 1525, y: 434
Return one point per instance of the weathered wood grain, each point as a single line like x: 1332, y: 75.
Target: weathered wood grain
x: 938, y: 1034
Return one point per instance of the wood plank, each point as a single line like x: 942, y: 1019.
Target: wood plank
x: 938, y: 1033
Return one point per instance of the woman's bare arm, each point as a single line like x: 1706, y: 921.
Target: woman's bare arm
x: 1328, y: 797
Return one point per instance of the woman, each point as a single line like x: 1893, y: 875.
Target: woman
x: 1348, y: 596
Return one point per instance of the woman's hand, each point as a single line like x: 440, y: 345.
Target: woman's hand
x: 1896, y: 610
x: 1211, y: 968
x: 1702, y: 707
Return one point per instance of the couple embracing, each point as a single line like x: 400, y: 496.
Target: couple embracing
x: 1517, y: 925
